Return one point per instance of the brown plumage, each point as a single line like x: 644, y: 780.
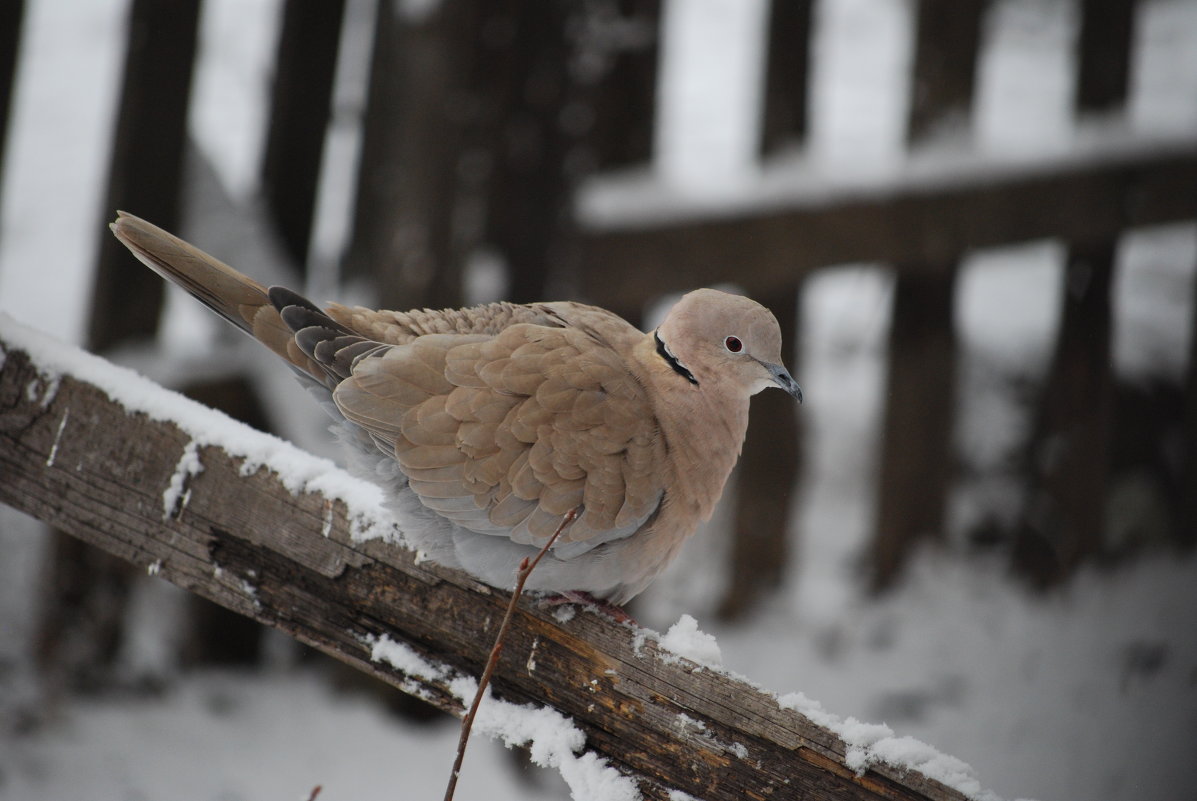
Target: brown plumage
x: 486, y: 425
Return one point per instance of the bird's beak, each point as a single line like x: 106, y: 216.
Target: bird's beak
x: 784, y: 380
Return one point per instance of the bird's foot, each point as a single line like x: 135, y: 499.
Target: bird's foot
x: 583, y: 598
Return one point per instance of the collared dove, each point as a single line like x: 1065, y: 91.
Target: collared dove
x: 487, y: 425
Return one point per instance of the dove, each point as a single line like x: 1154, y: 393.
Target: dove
x: 486, y: 426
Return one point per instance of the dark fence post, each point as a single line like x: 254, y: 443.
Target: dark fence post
x: 1071, y: 447
x: 11, y: 15
x: 624, y: 83
x: 528, y: 200
x: 1069, y: 466
x: 300, y: 108
x: 146, y: 170
x: 1187, y: 530
x: 916, y: 459
x: 418, y: 107
x: 787, y: 71
x: 769, y: 464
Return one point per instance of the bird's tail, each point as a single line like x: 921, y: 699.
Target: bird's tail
x: 237, y: 298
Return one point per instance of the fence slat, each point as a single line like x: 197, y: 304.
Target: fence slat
x: 787, y: 74
x: 300, y: 108
x: 1070, y: 448
x: 11, y: 15
x: 528, y: 198
x: 919, y: 408
x: 916, y: 452
x: 625, y: 98
x: 417, y: 105
x: 1064, y: 518
x: 1188, y: 514
x: 146, y: 168
x: 1103, y: 76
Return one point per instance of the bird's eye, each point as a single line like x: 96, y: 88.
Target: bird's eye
x: 733, y: 344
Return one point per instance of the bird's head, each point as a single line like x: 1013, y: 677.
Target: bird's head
x: 724, y: 339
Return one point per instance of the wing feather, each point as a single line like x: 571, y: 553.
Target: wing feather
x: 505, y: 433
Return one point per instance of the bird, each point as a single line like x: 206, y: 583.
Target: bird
x: 489, y: 426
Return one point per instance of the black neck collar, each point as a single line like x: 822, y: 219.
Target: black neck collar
x: 672, y: 361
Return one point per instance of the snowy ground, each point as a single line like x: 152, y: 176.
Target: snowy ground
x: 1088, y: 694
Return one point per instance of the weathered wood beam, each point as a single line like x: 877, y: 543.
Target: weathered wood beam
x: 74, y: 457
x: 926, y: 223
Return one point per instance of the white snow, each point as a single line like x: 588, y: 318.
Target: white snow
x: 66, y: 415
x: 401, y: 657
x: 685, y: 639
x: 870, y: 743
x: 176, y: 495
x: 552, y: 740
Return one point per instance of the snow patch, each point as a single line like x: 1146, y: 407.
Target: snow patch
x: 678, y: 795
x: 552, y: 740
x: 872, y: 743
x: 401, y: 657
x: 177, y: 494
x: 685, y: 639
x: 57, y: 435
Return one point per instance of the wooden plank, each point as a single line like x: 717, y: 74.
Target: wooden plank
x: 946, y: 48
x: 529, y: 187
x: 925, y: 224
x: 300, y: 109
x: 417, y: 109
x: 1069, y: 461
x: 920, y: 401
x: 627, y: 36
x: 1064, y: 518
x: 1187, y: 530
x: 146, y: 168
x: 11, y: 15
x: 916, y: 453
x: 787, y: 75
x: 1104, y: 43
x: 73, y: 457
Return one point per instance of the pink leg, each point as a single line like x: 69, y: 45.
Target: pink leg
x: 585, y: 599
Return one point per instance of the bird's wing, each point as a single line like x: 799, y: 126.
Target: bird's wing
x: 504, y: 434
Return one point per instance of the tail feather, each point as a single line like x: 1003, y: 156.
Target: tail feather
x: 237, y: 298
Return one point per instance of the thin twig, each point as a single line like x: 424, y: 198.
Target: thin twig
x: 467, y: 723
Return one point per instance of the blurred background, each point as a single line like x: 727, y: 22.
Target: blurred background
x: 976, y: 222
